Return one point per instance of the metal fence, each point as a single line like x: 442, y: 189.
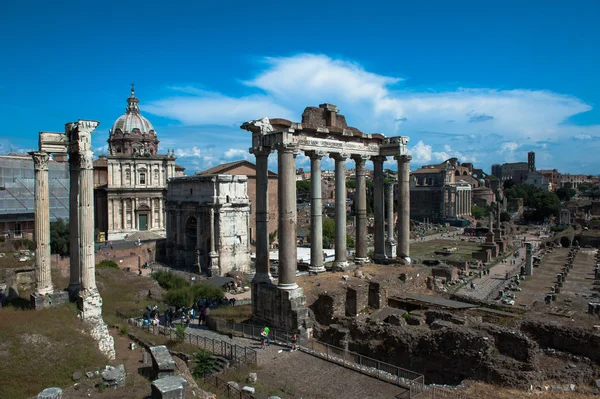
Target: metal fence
x: 250, y: 331
x: 225, y: 390
x: 237, y: 354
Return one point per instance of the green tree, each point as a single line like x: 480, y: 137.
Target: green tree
x: 505, y: 217
x: 480, y: 212
x: 204, y: 363
x: 351, y: 184
x: 329, y: 228
x: 303, y: 189
x: 565, y: 193
x: 59, y: 237
x: 350, y: 243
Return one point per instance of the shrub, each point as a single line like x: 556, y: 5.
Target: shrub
x: 168, y: 280
x: 180, y: 332
x: 24, y: 244
x: 205, y: 291
x: 107, y: 264
x: 203, y: 363
x: 179, y: 297
x: 124, y: 329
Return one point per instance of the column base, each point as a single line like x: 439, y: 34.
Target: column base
x: 379, y: 258
x: 362, y: 261
x: 403, y: 260
x: 284, y: 309
x: 215, y: 271
x: 262, y: 278
x: 316, y: 269
x: 287, y: 287
x: 340, y: 265
x: 53, y: 298
x: 90, y: 303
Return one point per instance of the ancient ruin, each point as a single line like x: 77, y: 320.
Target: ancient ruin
x: 207, y: 223
x: 322, y: 132
x: 82, y: 288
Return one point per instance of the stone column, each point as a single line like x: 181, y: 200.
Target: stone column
x: 43, y: 278
x: 75, y: 272
x: 390, y: 242
x: 360, y: 207
x: 378, y: 208
x: 403, y: 250
x: 263, y: 273
x: 288, y: 259
x: 316, y: 213
x: 198, y: 239
x: 340, y: 211
x: 215, y: 269
x: 86, y: 218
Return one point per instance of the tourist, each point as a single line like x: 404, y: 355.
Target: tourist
x: 294, y: 340
x: 232, y: 301
x: 266, y: 331
x: 202, y: 315
x: 155, y: 320
x: 263, y: 337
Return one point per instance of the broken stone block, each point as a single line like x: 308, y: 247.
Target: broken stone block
x: 233, y: 384
x: 77, y: 375
x: 248, y: 389
x: 163, y: 364
x: 114, y: 376
x: 252, y: 377
x: 132, y: 346
x: 351, y: 302
x: 346, y: 277
x: 171, y: 387
x: 90, y: 374
x: 50, y: 393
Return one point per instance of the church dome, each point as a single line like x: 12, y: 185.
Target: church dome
x: 132, y: 134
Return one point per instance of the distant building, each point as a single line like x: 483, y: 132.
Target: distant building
x: 553, y: 177
x: 538, y: 180
x: 497, y: 170
x: 531, y: 161
x: 17, y: 186
x: 131, y: 182
x: 516, y: 171
x: 574, y: 180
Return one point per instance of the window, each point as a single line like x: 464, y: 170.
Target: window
x: 128, y: 176
x: 155, y: 176
x: 142, y: 178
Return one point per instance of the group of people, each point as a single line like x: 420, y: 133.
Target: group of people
x: 186, y: 314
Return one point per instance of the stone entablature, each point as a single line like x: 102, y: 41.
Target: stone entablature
x: 208, y: 223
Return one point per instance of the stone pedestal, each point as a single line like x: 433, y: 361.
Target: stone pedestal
x: 169, y: 388
x: 377, y: 295
x: 283, y: 309
x: 54, y: 298
x: 351, y: 308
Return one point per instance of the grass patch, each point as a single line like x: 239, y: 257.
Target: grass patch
x: 40, y: 349
x: 426, y: 249
x: 236, y: 314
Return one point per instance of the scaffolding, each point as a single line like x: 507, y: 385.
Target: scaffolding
x: 17, y: 187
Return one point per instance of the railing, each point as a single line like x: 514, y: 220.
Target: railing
x: 225, y: 390
x: 238, y: 354
x: 251, y: 331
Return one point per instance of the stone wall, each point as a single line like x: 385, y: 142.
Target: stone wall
x: 279, y: 308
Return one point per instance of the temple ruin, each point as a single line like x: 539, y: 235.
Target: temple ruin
x: 322, y: 132
x: 82, y: 287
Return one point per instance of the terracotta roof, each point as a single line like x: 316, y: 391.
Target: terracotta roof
x: 226, y: 167
x: 179, y: 167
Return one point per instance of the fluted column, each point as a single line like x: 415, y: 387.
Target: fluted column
x: 390, y: 242
x: 403, y: 251
x: 316, y: 213
x: 341, y: 255
x: 288, y: 259
x: 378, y: 208
x: 43, y: 277
x: 86, y: 219
x: 75, y: 272
x: 361, y: 209
x: 263, y: 273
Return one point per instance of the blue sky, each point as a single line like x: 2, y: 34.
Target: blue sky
x: 482, y: 81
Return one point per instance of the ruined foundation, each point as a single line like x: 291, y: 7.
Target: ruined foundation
x: 90, y: 304
x: 55, y: 298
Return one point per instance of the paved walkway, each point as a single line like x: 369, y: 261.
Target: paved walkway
x: 488, y: 285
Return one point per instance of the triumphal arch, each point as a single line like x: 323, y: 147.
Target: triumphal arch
x: 322, y: 132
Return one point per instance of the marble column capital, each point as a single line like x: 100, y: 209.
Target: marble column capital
x: 360, y: 160
x: 261, y: 151
x: 40, y: 160
x: 378, y: 159
x: 86, y: 160
x: 339, y: 156
x: 403, y: 158
x: 287, y: 148
x: 315, y: 155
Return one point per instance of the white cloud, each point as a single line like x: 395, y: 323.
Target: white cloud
x: 489, y: 124
x: 188, y: 152
x: 236, y: 153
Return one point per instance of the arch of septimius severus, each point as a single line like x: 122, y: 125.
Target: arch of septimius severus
x: 76, y: 141
x: 322, y: 132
